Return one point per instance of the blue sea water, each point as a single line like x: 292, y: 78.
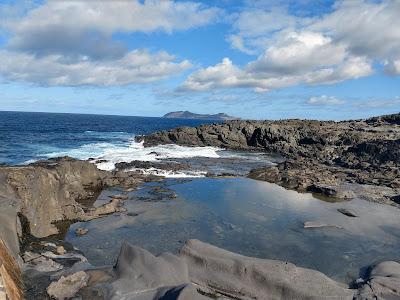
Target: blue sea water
x: 30, y: 136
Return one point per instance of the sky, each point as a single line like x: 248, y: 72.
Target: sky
x: 256, y: 59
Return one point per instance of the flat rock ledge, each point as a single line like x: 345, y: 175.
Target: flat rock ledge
x: 203, y: 271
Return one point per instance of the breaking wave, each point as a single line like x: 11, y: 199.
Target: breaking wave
x: 108, y: 154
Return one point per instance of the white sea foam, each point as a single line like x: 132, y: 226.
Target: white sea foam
x: 127, y: 152
x: 171, y: 174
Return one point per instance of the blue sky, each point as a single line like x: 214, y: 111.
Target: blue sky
x: 253, y: 59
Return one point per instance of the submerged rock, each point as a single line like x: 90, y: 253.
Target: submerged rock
x: 347, y: 212
x: 161, y: 165
x: 81, y: 231
x: 316, y: 224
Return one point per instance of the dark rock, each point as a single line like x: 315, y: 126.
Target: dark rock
x: 396, y: 199
x: 320, y: 155
x: 390, y: 119
x: 347, y: 212
x: 154, y: 153
x: 165, y: 165
x: 132, y: 214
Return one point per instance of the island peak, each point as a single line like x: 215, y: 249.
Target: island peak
x: 189, y: 115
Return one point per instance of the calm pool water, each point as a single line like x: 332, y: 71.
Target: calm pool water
x: 249, y: 217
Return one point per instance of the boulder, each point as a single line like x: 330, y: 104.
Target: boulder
x: 383, y: 282
x: 67, y: 287
x: 203, y: 271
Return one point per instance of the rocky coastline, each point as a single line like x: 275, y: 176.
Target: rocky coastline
x: 348, y: 159
x: 337, y: 159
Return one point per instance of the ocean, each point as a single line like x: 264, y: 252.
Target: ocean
x: 26, y: 137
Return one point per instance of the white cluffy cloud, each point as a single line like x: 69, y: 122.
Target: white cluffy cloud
x: 135, y: 67
x: 340, y: 45
x: 324, y: 100
x: 299, y: 58
x: 366, y: 28
x: 72, y: 43
x: 73, y: 27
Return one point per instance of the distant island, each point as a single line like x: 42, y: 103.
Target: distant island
x: 190, y: 115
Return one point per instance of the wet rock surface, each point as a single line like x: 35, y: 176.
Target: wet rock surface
x: 202, y: 271
x: 318, y: 153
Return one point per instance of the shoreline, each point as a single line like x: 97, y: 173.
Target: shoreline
x: 47, y: 261
x: 34, y: 197
x: 344, y: 159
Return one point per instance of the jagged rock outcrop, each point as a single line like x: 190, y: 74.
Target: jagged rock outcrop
x: 57, y: 190
x: 137, y: 164
x: 321, y: 140
x: 34, y: 198
x: 363, y: 152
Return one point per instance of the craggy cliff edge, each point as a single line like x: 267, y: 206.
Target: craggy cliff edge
x: 346, y: 159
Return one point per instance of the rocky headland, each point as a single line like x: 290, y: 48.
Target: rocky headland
x: 347, y: 159
x: 193, y: 116
x: 337, y: 159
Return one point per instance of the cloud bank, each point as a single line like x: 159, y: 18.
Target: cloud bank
x: 72, y: 42
x: 336, y: 46
x: 76, y: 43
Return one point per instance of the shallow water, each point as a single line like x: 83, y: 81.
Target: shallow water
x: 249, y: 217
